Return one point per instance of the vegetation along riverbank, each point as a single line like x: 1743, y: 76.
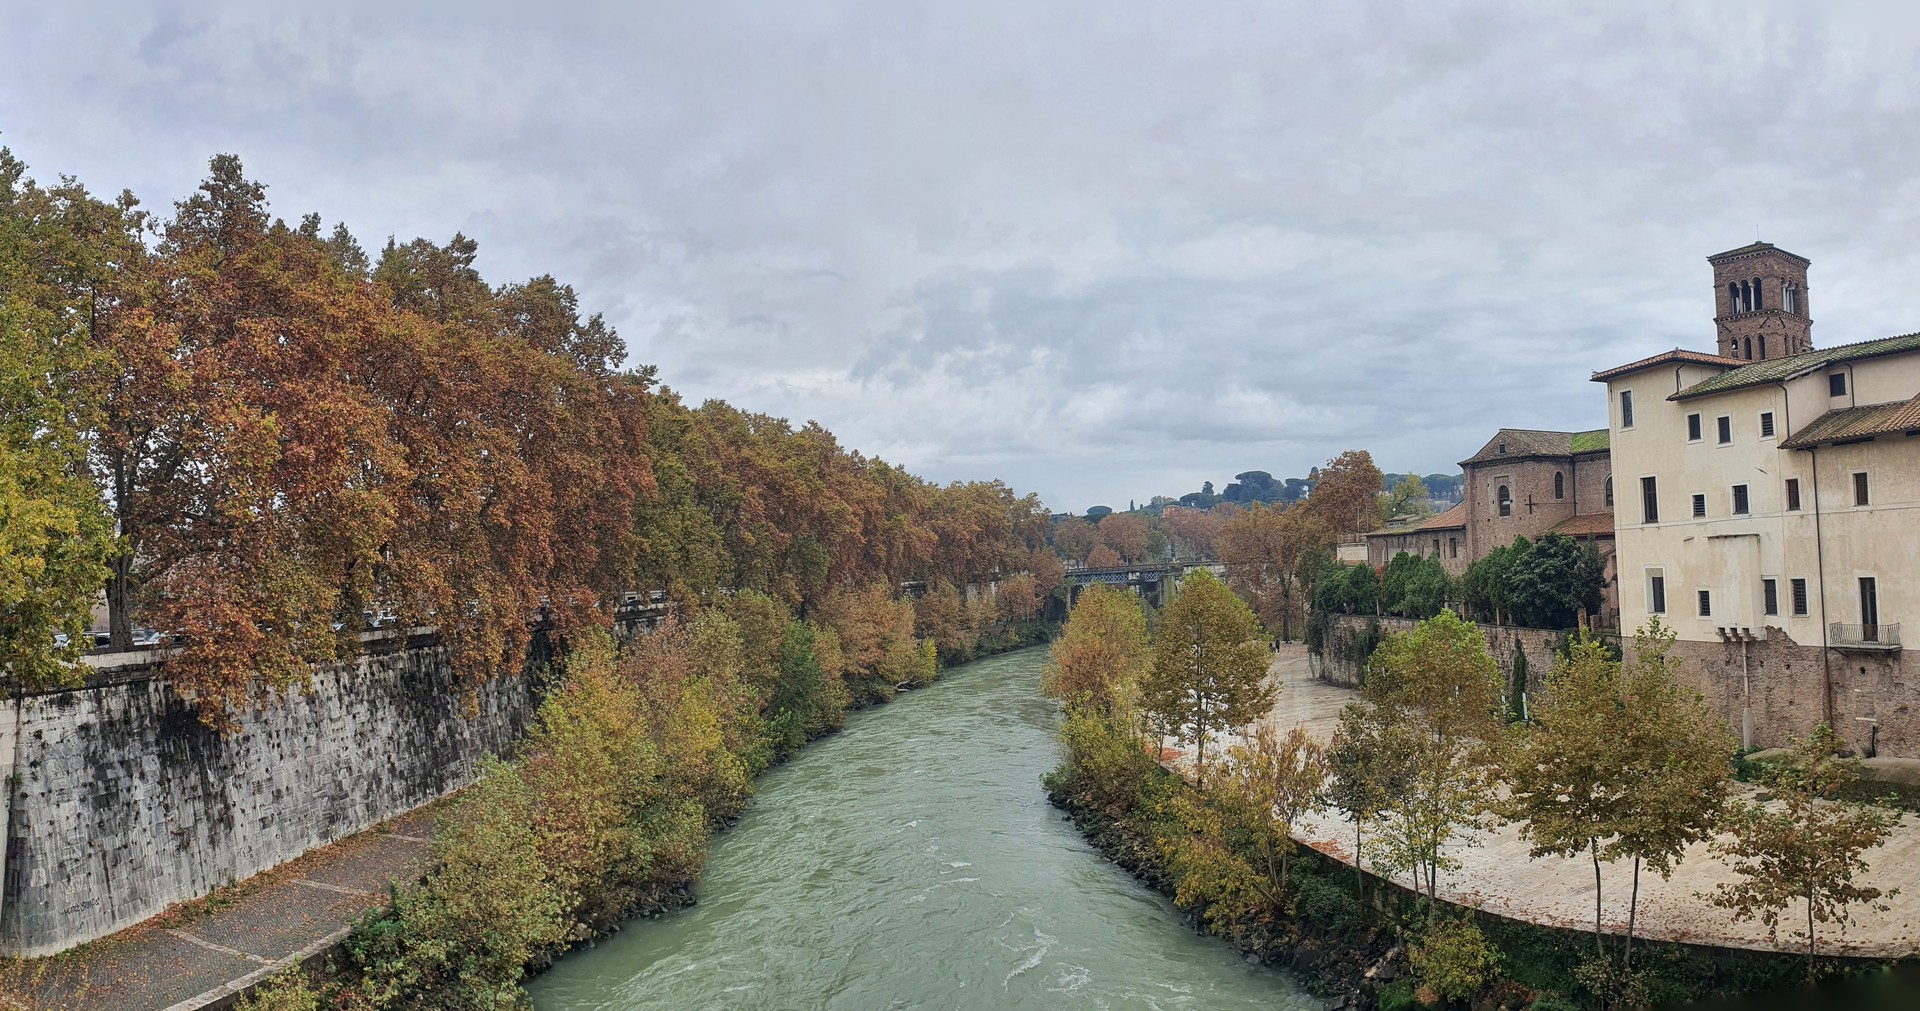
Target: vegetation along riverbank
x: 1424, y: 755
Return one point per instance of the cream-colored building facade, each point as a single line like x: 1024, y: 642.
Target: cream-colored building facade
x: 1776, y: 499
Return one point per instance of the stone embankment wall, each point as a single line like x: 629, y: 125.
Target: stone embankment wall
x: 1765, y: 688
x: 121, y: 802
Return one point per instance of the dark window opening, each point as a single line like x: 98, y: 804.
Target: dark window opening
x: 1559, y: 485
x: 1453, y: 547
x: 1869, y: 609
x: 1860, y: 488
x: 1626, y: 408
x: 1649, y: 501
x: 1725, y: 424
x: 1769, y: 597
x: 1766, y: 424
x: 1657, y: 595
x: 1837, y: 384
x: 1740, y: 498
x: 1759, y: 300
x: 1793, y: 494
x: 1693, y: 428
x: 1699, y: 505
x: 1799, y: 587
x: 1609, y: 491
x: 1706, y: 604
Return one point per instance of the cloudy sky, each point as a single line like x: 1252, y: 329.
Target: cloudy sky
x: 1100, y: 250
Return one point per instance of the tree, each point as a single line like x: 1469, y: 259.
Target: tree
x: 1414, y: 586
x: 1408, y: 498
x: 1192, y: 530
x: 1209, y: 670
x: 1804, y: 846
x: 1278, y: 779
x: 55, y: 536
x: 1486, y: 587
x: 1553, y: 580
x: 1346, y: 493
x: 1102, y: 650
x: 1103, y: 557
x: 1264, y: 547
x: 1126, y: 534
x: 1438, y: 683
x: 1074, y: 538
x: 1019, y: 597
x: 1369, y: 763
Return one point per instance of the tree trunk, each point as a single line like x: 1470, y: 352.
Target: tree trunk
x: 1359, y: 876
x: 119, y: 601
x: 1810, y: 972
x: 1633, y: 911
x: 1593, y: 846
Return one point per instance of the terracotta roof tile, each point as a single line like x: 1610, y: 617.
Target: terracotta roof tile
x: 1857, y: 423
x: 1454, y: 517
x: 1589, y: 525
x: 1676, y: 355
x: 1525, y: 442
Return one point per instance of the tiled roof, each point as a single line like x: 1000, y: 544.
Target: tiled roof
x: 1857, y: 423
x: 1775, y: 369
x: 1455, y: 517
x: 1676, y: 355
x: 1589, y: 525
x: 1526, y: 442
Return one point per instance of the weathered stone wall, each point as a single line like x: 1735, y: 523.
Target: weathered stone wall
x: 1765, y: 689
x: 121, y: 802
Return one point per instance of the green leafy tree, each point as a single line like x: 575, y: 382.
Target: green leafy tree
x: 1102, y: 652
x: 1554, y: 580
x: 1414, y: 586
x: 1486, y: 586
x: 1369, y: 763
x: 1409, y: 498
x: 1209, y: 670
x: 1805, y: 846
x: 1276, y: 779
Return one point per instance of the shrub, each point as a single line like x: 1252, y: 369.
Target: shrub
x: 1553, y: 1002
x: 1398, y: 997
x: 1327, y: 905
x: 287, y: 991
x: 1454, y: 959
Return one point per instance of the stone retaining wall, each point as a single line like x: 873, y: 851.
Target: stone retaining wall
x: 121, y: 802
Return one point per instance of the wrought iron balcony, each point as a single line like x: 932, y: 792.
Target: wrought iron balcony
x: 1884, y: 636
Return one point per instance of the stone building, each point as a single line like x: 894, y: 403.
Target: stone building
x: 1770, y: 495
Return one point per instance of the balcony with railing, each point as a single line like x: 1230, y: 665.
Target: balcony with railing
x: 1884, y: 636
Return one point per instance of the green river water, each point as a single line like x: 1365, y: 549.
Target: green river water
x: 912, y: 861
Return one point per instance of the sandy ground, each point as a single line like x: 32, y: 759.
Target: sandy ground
x: 1498, y: 875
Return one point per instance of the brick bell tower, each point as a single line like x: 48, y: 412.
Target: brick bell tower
x: 1760, y: 302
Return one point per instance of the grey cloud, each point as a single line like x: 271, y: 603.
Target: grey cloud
x: 1102, y: 250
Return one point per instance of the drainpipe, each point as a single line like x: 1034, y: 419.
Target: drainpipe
x: 1820, y: 566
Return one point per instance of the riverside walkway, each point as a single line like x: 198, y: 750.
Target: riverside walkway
x: 202, y: 954
x: 1498, y: 875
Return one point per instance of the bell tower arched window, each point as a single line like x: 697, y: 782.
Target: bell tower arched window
x: 1759, y: 300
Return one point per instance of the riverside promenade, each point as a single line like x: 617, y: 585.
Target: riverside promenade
x: 1498, y: 875
x: 205, y: 953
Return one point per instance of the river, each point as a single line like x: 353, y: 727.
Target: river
x: 912, y: 861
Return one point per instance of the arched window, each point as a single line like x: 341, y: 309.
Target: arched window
x: 1749, y: 351
x: 1787, y: 299
x: 1506, y: 502
x: 1609, y: 491
x: 1759, y: 300
x: 1559, y: 485
x: 1763, y: 345
x: 1733, y: 297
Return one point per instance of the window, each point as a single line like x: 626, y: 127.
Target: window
x: 1740, y: 499
x: 1769, y: 597
x: 1609, y: 491
x: 1626, y: 408
x: 1706, y: 603
x: 1559, y: 485
x: 1506, y: 502
x: 1453, y: 547
x: 1649, y: 501
x: 1766, y: 424
x: 1699, y: 505
x: 1503, y: 447
x: 1693, y: 428
x: 1837, y: 384
x: 1860, y: 488
x: 1726, y: 429
x: 1436, y: 547
x: 1869, y: 609
x: 1799, y: 587
x: 1793, y: 494
x: 1656, y: 593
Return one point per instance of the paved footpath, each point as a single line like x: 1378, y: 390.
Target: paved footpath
x: 1498, y: 875
x: 199, y: 954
